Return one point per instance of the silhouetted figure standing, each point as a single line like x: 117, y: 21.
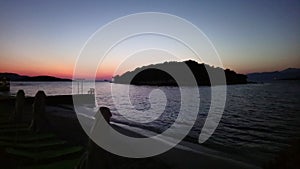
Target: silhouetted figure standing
x: 19, y: 106
x: 39, y: 121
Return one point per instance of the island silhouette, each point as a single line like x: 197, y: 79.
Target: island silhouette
x: 154, y: 74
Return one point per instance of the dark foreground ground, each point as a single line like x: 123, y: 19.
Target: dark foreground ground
x: 64, y: 145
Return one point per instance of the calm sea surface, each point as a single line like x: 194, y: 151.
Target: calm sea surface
x: 259, y: 119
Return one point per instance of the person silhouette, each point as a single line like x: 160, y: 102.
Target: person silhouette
x: 95, y: 157
x: 39, y: 121
x: 19, y: 106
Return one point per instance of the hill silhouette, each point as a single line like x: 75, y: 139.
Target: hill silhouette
x: 287, y: 74
x: 154, y: 74
x: 17, y: 77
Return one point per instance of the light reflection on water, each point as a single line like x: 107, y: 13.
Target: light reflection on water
x: 260, y: 118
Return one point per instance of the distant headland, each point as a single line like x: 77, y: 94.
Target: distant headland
x: 17, y: 77
x: 153, y: 75
x: 287, y: 74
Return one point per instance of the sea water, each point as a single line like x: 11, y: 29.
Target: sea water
x: 259, y: 120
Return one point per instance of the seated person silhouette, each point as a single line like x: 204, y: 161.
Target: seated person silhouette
x: 96, y: 157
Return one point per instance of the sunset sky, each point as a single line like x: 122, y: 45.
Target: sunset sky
x: 45, y: 37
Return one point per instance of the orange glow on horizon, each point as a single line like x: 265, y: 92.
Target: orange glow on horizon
x: 105, y: 71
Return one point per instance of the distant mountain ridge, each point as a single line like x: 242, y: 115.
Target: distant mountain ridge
x: 287, y: 74
x: 153, y: 74
x: 17, y: 77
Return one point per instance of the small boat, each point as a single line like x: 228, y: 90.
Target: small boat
x: 4, y: 84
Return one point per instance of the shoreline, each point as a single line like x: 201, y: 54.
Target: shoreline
x: 194, y: 154
x: 65, y: 125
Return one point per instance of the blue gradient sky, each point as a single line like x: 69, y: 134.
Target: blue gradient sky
x: 45, y: 37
